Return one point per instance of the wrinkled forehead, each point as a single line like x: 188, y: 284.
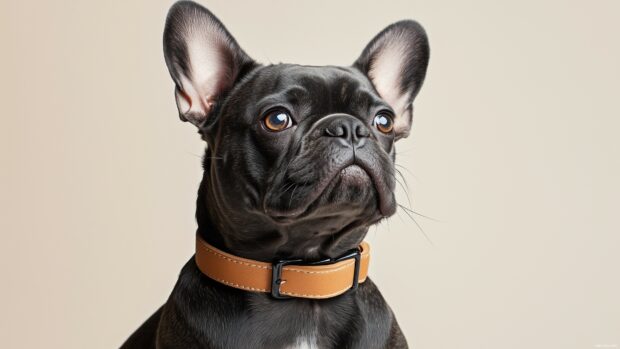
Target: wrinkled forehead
x: 316, y: 90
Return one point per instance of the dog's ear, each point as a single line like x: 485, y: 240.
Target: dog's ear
x: 395, y: 61
x: 204, y: 60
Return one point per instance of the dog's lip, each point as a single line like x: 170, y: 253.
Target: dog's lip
x: 286, y: 216
x: 386, y: 209
x: 385, y: 206
x: 355, y: 174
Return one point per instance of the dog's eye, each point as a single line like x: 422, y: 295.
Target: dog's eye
x: 384, y: 122
x: 277, y: 120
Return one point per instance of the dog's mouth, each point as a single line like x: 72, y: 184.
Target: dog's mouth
x: 355, y: 175
x: 353, y: 186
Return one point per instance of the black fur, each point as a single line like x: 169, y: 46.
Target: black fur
x: 310, y: 191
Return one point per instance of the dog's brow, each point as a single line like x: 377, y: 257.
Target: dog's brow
x: 287, y: 95
x: 366, y: 97
x: 295, y: 91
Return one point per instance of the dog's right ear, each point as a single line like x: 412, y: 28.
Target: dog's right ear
x: 204, y: 60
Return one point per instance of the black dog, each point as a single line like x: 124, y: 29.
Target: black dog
x: 299, y: 164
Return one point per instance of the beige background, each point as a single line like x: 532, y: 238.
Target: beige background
x: 514, y: 152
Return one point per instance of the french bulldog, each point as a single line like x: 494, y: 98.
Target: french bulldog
x: 299, y: 163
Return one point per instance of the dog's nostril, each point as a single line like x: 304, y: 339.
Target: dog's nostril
x: 336, y: 131
x: 348, y: 130
x: 362, y: 131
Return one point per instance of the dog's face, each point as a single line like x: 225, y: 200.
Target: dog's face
x: 302, y: 152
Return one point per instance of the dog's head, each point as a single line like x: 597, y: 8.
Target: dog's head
x: 298, y: 156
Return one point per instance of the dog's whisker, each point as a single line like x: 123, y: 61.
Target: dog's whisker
x: 292, y: 196
x: 418, y: 214
x: 286, y: 187
x: 405, y: 189
x: 403, y: 177
x: 406, y: 169
x: 419, y: 227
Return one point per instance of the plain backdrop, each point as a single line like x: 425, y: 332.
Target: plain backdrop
x: 514, y: 154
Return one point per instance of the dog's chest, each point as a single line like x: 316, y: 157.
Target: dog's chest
x: 305, y: 342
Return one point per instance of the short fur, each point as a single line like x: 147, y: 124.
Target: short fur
x: 310, y: 191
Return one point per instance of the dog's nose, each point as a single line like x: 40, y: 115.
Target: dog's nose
x: 348, y: 129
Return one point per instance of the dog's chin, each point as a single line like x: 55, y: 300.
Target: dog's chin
x: 351, y: 191
x: 352, y: 177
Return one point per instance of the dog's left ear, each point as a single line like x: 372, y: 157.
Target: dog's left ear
x: 204, y: 60
x: 395, y: 61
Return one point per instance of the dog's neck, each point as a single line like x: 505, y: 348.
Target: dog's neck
x: 266, y: 241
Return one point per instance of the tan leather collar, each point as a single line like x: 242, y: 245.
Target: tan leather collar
x: 288, y: 278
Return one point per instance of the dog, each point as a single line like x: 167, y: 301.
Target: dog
x: 299, y: 163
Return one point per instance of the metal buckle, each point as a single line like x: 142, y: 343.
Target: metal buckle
x: 276, y: 270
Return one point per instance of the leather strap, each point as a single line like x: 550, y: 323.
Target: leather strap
x: 303, y: 281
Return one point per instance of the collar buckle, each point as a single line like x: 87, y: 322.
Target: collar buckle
x: 277, y: 266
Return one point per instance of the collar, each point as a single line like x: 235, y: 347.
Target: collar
x: 285, y: 278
